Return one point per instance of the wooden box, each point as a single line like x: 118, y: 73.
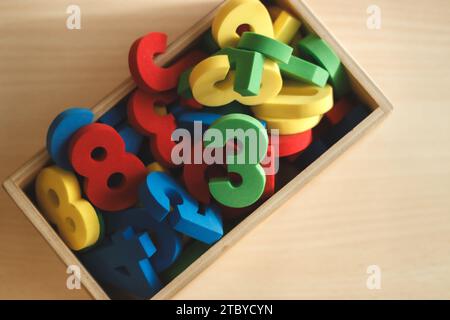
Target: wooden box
x: 362, y: 85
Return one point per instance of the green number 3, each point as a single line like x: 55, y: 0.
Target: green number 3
x: 252, y: 139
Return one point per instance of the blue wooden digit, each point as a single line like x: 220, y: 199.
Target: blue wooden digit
x: 186, y: 120
x: 124, y: 263
x: 116, y: 117
x: 61, y: 130
x: 177, y: 109
x: 161, y: 195
x: 116, y: 114
x: 168, y: 242
x: 133, y: 140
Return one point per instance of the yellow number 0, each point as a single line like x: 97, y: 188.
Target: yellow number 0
x: 58, y: 195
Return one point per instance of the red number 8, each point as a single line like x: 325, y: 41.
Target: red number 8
x: 97, y: 152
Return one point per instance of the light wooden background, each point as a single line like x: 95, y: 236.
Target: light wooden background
x: 386, y: 202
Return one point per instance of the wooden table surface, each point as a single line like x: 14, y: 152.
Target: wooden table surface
x: 386, y: 202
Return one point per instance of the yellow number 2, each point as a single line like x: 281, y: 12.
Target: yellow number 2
x: 58, y: 195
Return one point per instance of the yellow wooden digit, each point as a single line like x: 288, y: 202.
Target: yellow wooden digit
x: 285, y: 25
x: 297, y: 100
x: 205, y: 76
x: 155, y: 167
x: 212, y: 83
x: 292, y: 126
x: 236, y: 13
x: 58, y: 195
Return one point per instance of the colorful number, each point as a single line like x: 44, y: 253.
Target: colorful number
x: 233, y: 107
x: 270, y: 166
x: 163, y: 197
x: 339, y: 110
x: 133, y: 140
x: 168, y: 243
x: 248, y: 66
x: 191, y: 253
x: 297, y: 100
x: 270, y: 48
x: 302, y: 70
x: 62, y: 129
x: 187, y: 120
x: 212, y: 83
x: 59, y: 197
x: 294, y: 143
x: 322, y: 54
x: 285, y: 26
x: 116, y: 115
x: 143, y: 116
x: 196, y: 178
x: 208, y: 43
x: 251, y: 173
x: 97, y: 152
x: 124, y: 264
x: 155, y: 166
x: 191, y: 103
x: 183, y: 88
x: 234, y: 14
x: 196, y: 181
x: 287, y: 126
x: 150, y: 77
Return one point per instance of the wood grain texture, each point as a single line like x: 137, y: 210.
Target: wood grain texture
x: 388, y: 198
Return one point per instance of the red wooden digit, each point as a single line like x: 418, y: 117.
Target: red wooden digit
x: 97, y: 152
x: 339, y: 110
x: 191, y: 103
x: 143, y: 117
x: 196, y: 178
x: 269, y: 165
x: 150, y: 77
x: 293, y: 143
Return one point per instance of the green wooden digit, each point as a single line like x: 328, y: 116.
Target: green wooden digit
x: 321, y: 53
x: 253, y: 140
x: 184, y: 89
x: 208, y: 43
x: 271, y: 48
x: 299, y: 69
x: 249, y: 67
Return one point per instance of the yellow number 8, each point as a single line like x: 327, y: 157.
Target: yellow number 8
x: 58, y: 195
